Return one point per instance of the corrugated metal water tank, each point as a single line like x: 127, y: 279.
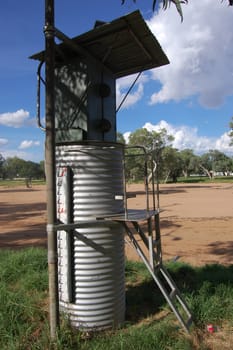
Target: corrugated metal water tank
x: 91, y: 259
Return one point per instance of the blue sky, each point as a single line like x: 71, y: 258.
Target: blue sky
x: 192, y: 97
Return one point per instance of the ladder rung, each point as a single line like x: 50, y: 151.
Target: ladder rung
x: 156, y: 242
x: 173, y: 294
x: 189, y: 322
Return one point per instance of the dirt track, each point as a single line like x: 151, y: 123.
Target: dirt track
x: 196, y: 220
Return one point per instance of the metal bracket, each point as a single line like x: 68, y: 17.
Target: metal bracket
x: 39, y: 79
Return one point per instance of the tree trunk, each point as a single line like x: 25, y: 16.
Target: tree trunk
x: 185, y: 173
x: 208, y: 173
x: 152, y: 172
x: 166, y: 178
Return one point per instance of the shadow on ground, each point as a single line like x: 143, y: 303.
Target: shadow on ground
x: 223, y: 249
x: 145, y: 299
x: 33, y: 236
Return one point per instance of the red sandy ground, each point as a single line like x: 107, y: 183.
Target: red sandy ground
x: 196, y: 220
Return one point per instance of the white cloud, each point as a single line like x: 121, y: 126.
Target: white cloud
x: 28, y: 144
x: 15, y: 119
x: 188, y: 137
x: 200, y: 51
x: 3, y: 141
x: 126, y: 136
x: 10, y: 153
x: 184, y: 136
x: 222, y: 143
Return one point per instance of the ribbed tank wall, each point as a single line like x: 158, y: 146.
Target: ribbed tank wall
x: 97, y: 251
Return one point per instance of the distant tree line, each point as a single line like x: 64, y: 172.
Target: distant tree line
x: 145, y: 152
x: 168, y: 162
x: 13, y: 168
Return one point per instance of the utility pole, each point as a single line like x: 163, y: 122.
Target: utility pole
x: 50, y: 167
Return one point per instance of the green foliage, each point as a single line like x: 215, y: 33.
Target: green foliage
x: 147, y: 150
x: 151, y: 140
x: 19, y: 168
x: 144, y: 151
x: 120, y: 138
x: 216, y: 161
x: 189, y: 162
x: 231, y: 132
x: 2, y: 161
x: 170, y: 164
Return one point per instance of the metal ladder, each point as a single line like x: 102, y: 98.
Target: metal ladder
x: 154, y: 263
x: 151, y: 238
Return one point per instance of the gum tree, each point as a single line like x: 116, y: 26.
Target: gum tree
x: 153, y: 143
x: 231, y: 132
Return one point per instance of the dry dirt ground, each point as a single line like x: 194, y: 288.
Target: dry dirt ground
x: 196, y: 220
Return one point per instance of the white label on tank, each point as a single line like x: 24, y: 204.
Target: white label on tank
x: 63, y: 236
x: 62, y: 194
x: 119, y: 197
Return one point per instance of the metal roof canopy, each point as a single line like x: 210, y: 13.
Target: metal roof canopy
x: 124, y: 46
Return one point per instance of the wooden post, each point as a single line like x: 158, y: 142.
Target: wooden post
x: 50, y: 166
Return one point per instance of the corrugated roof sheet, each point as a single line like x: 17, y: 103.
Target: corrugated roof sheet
x: 125, y: 46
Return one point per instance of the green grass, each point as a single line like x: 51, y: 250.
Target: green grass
x: 208, y: 289
x: 14, y: 183
x: 205, y: 179
x: 149, y: 322
x: 192, y: 179
x: 23, y: 291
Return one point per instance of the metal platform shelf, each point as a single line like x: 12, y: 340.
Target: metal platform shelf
x: 133, y: 215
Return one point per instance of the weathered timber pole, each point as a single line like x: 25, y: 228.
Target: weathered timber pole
x: 50, y: 166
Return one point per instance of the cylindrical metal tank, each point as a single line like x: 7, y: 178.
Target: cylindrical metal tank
x: 91, y: 258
